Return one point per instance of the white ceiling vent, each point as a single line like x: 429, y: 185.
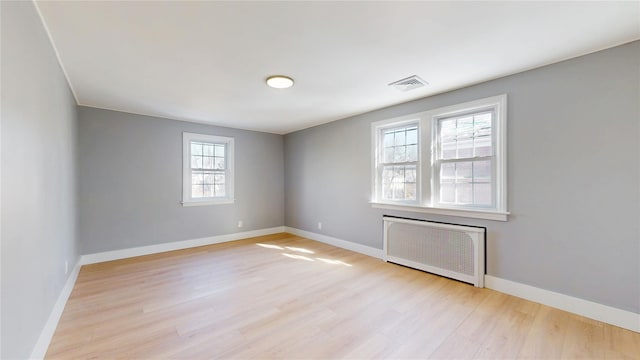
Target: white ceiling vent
x: 410, y: 83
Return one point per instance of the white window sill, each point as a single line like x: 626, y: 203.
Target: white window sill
x: 476, y: 214
x: 208, y: 202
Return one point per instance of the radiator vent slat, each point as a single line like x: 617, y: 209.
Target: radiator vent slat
x: 455, y: 251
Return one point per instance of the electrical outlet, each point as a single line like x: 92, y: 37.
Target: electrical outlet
x: 66, y: 267
x: 319, y: 226
x: 239, y: 223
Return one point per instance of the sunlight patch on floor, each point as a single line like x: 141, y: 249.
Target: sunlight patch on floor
x: 334, y: 262
x: 269, y: 246
x: 299, y: 250
x: 297, y: 257
x: 301, y: 257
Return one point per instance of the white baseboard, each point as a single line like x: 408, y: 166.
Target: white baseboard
x: 610, y: 315
x: 176, y: 245
x: 40, y: 349
x: 359, y: 248
x: 607, y: 314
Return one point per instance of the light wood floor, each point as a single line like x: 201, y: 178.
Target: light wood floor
x: 282, y: 296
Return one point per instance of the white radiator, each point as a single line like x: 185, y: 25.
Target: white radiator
x: 454, y: 251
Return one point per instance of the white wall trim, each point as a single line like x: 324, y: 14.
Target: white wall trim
x: 475, y: 214
x: 176, y: 245
x: 40, y: 349
x: 359, y: 248
x: 610, y: 315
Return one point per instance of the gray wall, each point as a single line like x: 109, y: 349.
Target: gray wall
x: 130, y: 182
x: 573, y: 177
x: 38, y: 179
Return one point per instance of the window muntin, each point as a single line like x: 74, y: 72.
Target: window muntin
x: 207, y: 169
x: 398, y: 163
x: 464, y: 163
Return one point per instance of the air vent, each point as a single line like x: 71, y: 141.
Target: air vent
x: 410, y: 83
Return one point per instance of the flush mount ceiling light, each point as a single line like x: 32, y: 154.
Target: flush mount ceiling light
x: 279, y: 81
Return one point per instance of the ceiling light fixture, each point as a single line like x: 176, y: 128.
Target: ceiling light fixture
x: 280, y: 81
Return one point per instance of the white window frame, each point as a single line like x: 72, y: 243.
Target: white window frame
x: 429, y: 162
x: 187, y: 200
x: 378, y: 149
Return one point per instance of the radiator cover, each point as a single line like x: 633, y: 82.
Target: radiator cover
x: 454, y: 251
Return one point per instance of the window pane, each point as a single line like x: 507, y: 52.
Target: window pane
x: 398, y: 174
x: 448, y: 129
x: 412, y: 136
x: 207, y: 149
x: 207, y: 190
x: 197, y: 178
x: 208, y: 178
x: 482, y: 170
x: 196, y: 148
x: 219, y: 190
x: 387, y: 175
x: 465, y: 127
x: 219, y: 150
x: 219, y: 179
x: 464, y: 193
x: 482, y: 145
x: 463, y: 171
x: 218, y: 163
x: 388, y: 139
x: 410, y: 174
x: 399, y: 154
x: 196, y: 162
x: 387, y: 192
x: 482, y: 194
x: 412, y: 153
x: 207, y: 162
x: 447, y: 192
x: 447, y: 171
x: 465, y: 148
x: 196, y: 191
x: 410, y: 191
x: 388, y: 155
x: 398, y: 191
x: 482, y: 124
x: 448, y: 150
x: 400, y: 137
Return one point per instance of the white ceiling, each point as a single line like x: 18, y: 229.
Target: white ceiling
x: 207, y: 61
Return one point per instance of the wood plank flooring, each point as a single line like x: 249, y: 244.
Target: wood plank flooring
x: 282, y: 296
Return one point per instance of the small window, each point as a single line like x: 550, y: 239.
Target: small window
x: 207, y: 169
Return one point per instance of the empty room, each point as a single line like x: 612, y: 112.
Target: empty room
x: 320, y: 180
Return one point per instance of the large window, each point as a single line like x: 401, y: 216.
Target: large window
x: 207, y: 169
x: 449, y: 161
